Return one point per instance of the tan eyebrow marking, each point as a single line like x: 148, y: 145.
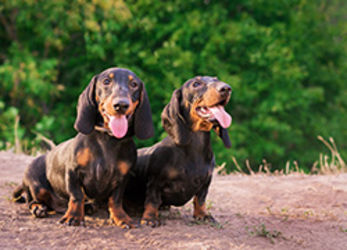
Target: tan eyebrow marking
x: 130, y: 77
x: 111, y: 75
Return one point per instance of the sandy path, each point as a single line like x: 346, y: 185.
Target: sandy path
x: 294, y: 212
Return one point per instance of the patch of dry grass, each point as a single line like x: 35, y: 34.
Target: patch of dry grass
x: 261, y: 231
x: 332, y: 164
x: 327, y: 164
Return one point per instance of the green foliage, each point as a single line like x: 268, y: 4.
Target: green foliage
x: 285, y: 61
x: 7, y: 126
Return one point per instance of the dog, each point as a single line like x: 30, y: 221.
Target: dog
x: 180, y: 166
x: 94, y: 164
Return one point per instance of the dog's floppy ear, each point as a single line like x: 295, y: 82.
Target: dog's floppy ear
x: 223, y: 134
x: 173, y: 120
x: 143, y: 118
x: 86, y: 109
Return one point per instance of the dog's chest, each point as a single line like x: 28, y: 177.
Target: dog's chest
x: 195, y: 173
x: 105, y: 174
x: 99, y: 178
x: 108, y: 167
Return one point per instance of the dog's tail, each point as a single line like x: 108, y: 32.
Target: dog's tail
x: 49, y: 142
x: 17, y: 194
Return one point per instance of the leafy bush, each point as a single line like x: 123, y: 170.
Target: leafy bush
x: 285, y: 61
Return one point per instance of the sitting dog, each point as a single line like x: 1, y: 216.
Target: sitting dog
x: 180, y: 167
x: 94, y: 164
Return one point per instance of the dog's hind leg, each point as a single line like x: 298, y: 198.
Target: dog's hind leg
x: 17, y: 194
x: 38, y: 206
x: 37, y: 187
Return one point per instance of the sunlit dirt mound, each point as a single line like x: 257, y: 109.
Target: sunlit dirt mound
x: 254, y: 212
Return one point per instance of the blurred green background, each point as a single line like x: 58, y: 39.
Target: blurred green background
x: 285, y: 60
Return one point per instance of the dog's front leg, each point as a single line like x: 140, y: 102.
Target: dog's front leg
x: 115, y: 207
x: 199, y: 202
x: 153, y: 201
x: 74, y: 216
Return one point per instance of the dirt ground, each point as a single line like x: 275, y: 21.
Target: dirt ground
x: 254, y: 212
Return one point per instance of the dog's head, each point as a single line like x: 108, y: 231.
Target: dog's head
x: 115, y: 99
x: 198, y: 106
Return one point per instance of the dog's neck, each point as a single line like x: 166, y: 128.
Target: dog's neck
x: 200, y: 140
x: 199, y: 144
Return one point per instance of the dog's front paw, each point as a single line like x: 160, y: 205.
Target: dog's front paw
x: 74, y: 215
x: 120, y: 218
x: 150, y: 216
x: 72, y: 220
x: 205, y: 217
x: 125, y: 224
x: 152, y: 222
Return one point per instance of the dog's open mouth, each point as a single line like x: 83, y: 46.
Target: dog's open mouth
x: 215, y: 113
x: 118, y: 125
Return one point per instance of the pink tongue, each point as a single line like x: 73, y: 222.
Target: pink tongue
x: 119, y: 126
x: 222, y: 117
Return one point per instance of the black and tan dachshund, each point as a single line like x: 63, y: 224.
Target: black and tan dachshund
x: 180, y: 167
x: 94, y: 164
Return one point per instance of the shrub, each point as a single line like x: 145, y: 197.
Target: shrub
x: 285, y: 61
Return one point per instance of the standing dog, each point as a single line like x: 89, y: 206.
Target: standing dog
x: 180, y: 167
x: 94, y: 164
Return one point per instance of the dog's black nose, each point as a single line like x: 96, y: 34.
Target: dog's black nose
x: 224, y: 89
x: 121, y: 106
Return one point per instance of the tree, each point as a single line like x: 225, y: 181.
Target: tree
x: 285, y: 61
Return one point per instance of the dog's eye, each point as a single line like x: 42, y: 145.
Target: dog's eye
x: 196, y: 84
x: 133, y: 84
x: 107, y: 82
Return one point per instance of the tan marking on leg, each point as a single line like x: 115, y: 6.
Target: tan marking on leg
x: 118, y: 215
x: 74, y: 213
x: 150, y: 211
x: 150, y: 216
x: 199, y: 210
x: 83, y: 157
x: 39, y: 210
